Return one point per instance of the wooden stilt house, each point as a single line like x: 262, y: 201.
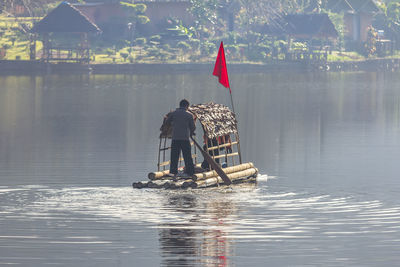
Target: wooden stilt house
x: 64, y: 33
x: 305, y: 28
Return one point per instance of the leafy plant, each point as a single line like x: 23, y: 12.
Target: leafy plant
x: 370, y: 44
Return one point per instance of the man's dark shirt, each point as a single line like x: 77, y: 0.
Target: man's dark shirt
x: 182, y: 124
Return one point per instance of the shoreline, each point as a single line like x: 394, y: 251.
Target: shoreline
x: 17, y: 67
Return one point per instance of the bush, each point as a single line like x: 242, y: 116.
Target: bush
x: 299, y: 46
x: 266, y: 49
x: 152, y: 52
x: 13, y: 39
x: 155, y: 39
x: 7, y: 46
x: 140, y: 41
x: 183, y: 45
x: 195, y: 44
x: 232, y: 49
x: 232, y: 38
x: 163, y: 56
x: 194, y: 58
x: 158, y: 54
x: 207, y: 48
x: 255, y: 55
x: 124, y: 55
x: 166, y: 47
x: 122, y: 43
x: 110, y: 51
x: 253, y: 37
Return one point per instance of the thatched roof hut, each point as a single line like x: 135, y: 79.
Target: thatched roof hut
x: 216, y: 120
x: 65, y: 19
x: 68, y: 21
x: 305, y: 26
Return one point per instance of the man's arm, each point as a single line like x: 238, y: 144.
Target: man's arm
x: 192, y: 126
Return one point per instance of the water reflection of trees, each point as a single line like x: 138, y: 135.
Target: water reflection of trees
x: 200, y: 240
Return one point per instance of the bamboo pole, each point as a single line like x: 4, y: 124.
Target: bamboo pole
x: 203, y: 175
x: 159, y: 155
x: 234, y: 177
x: 228, y: 170
x: 238, y: 147
x: 227, y: 155
x: 165, y: 163
x: 222, y: 146
x: 165, y: 144
x: 195, y: 152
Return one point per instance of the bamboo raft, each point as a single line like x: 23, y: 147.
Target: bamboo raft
x: 217, y: 121
x: 242, y: 173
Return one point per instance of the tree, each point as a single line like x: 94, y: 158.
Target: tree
x: 33, y: 7
x: 205, y: 15
x: 134, y: 16
x: 389, y: 21
x: 393, y: 14
x: 124, y: 25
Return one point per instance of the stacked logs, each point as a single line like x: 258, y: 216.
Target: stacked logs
x: 238, y: 174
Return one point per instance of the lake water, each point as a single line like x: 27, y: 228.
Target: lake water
x: 71, y: 146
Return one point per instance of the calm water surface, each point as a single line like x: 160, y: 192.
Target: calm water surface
x: 71, y: 146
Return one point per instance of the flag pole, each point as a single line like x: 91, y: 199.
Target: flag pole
x: 221, y: 72
x: 233, y: 107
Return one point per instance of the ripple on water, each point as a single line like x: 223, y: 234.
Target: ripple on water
x: 244, y: 215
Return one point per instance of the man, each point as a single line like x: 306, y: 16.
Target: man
x: 182, y: 128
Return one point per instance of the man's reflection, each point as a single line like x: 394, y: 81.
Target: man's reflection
x: 201, y: 240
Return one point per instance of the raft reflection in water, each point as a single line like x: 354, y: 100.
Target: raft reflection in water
x: 197, y: 243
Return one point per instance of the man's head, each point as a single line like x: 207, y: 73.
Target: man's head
x: 184, y: 104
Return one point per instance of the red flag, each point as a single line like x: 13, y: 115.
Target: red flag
x: 220, y: 69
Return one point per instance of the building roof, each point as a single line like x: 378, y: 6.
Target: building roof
x: 303, y: 26
x: 65, y: 18
x: 338, y: 6
x: 366, y: 6
x: 216, y: 119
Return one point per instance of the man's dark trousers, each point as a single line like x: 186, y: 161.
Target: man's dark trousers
x: 176, y: 147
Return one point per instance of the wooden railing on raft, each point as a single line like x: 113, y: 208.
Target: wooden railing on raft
x: 231, y: 151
